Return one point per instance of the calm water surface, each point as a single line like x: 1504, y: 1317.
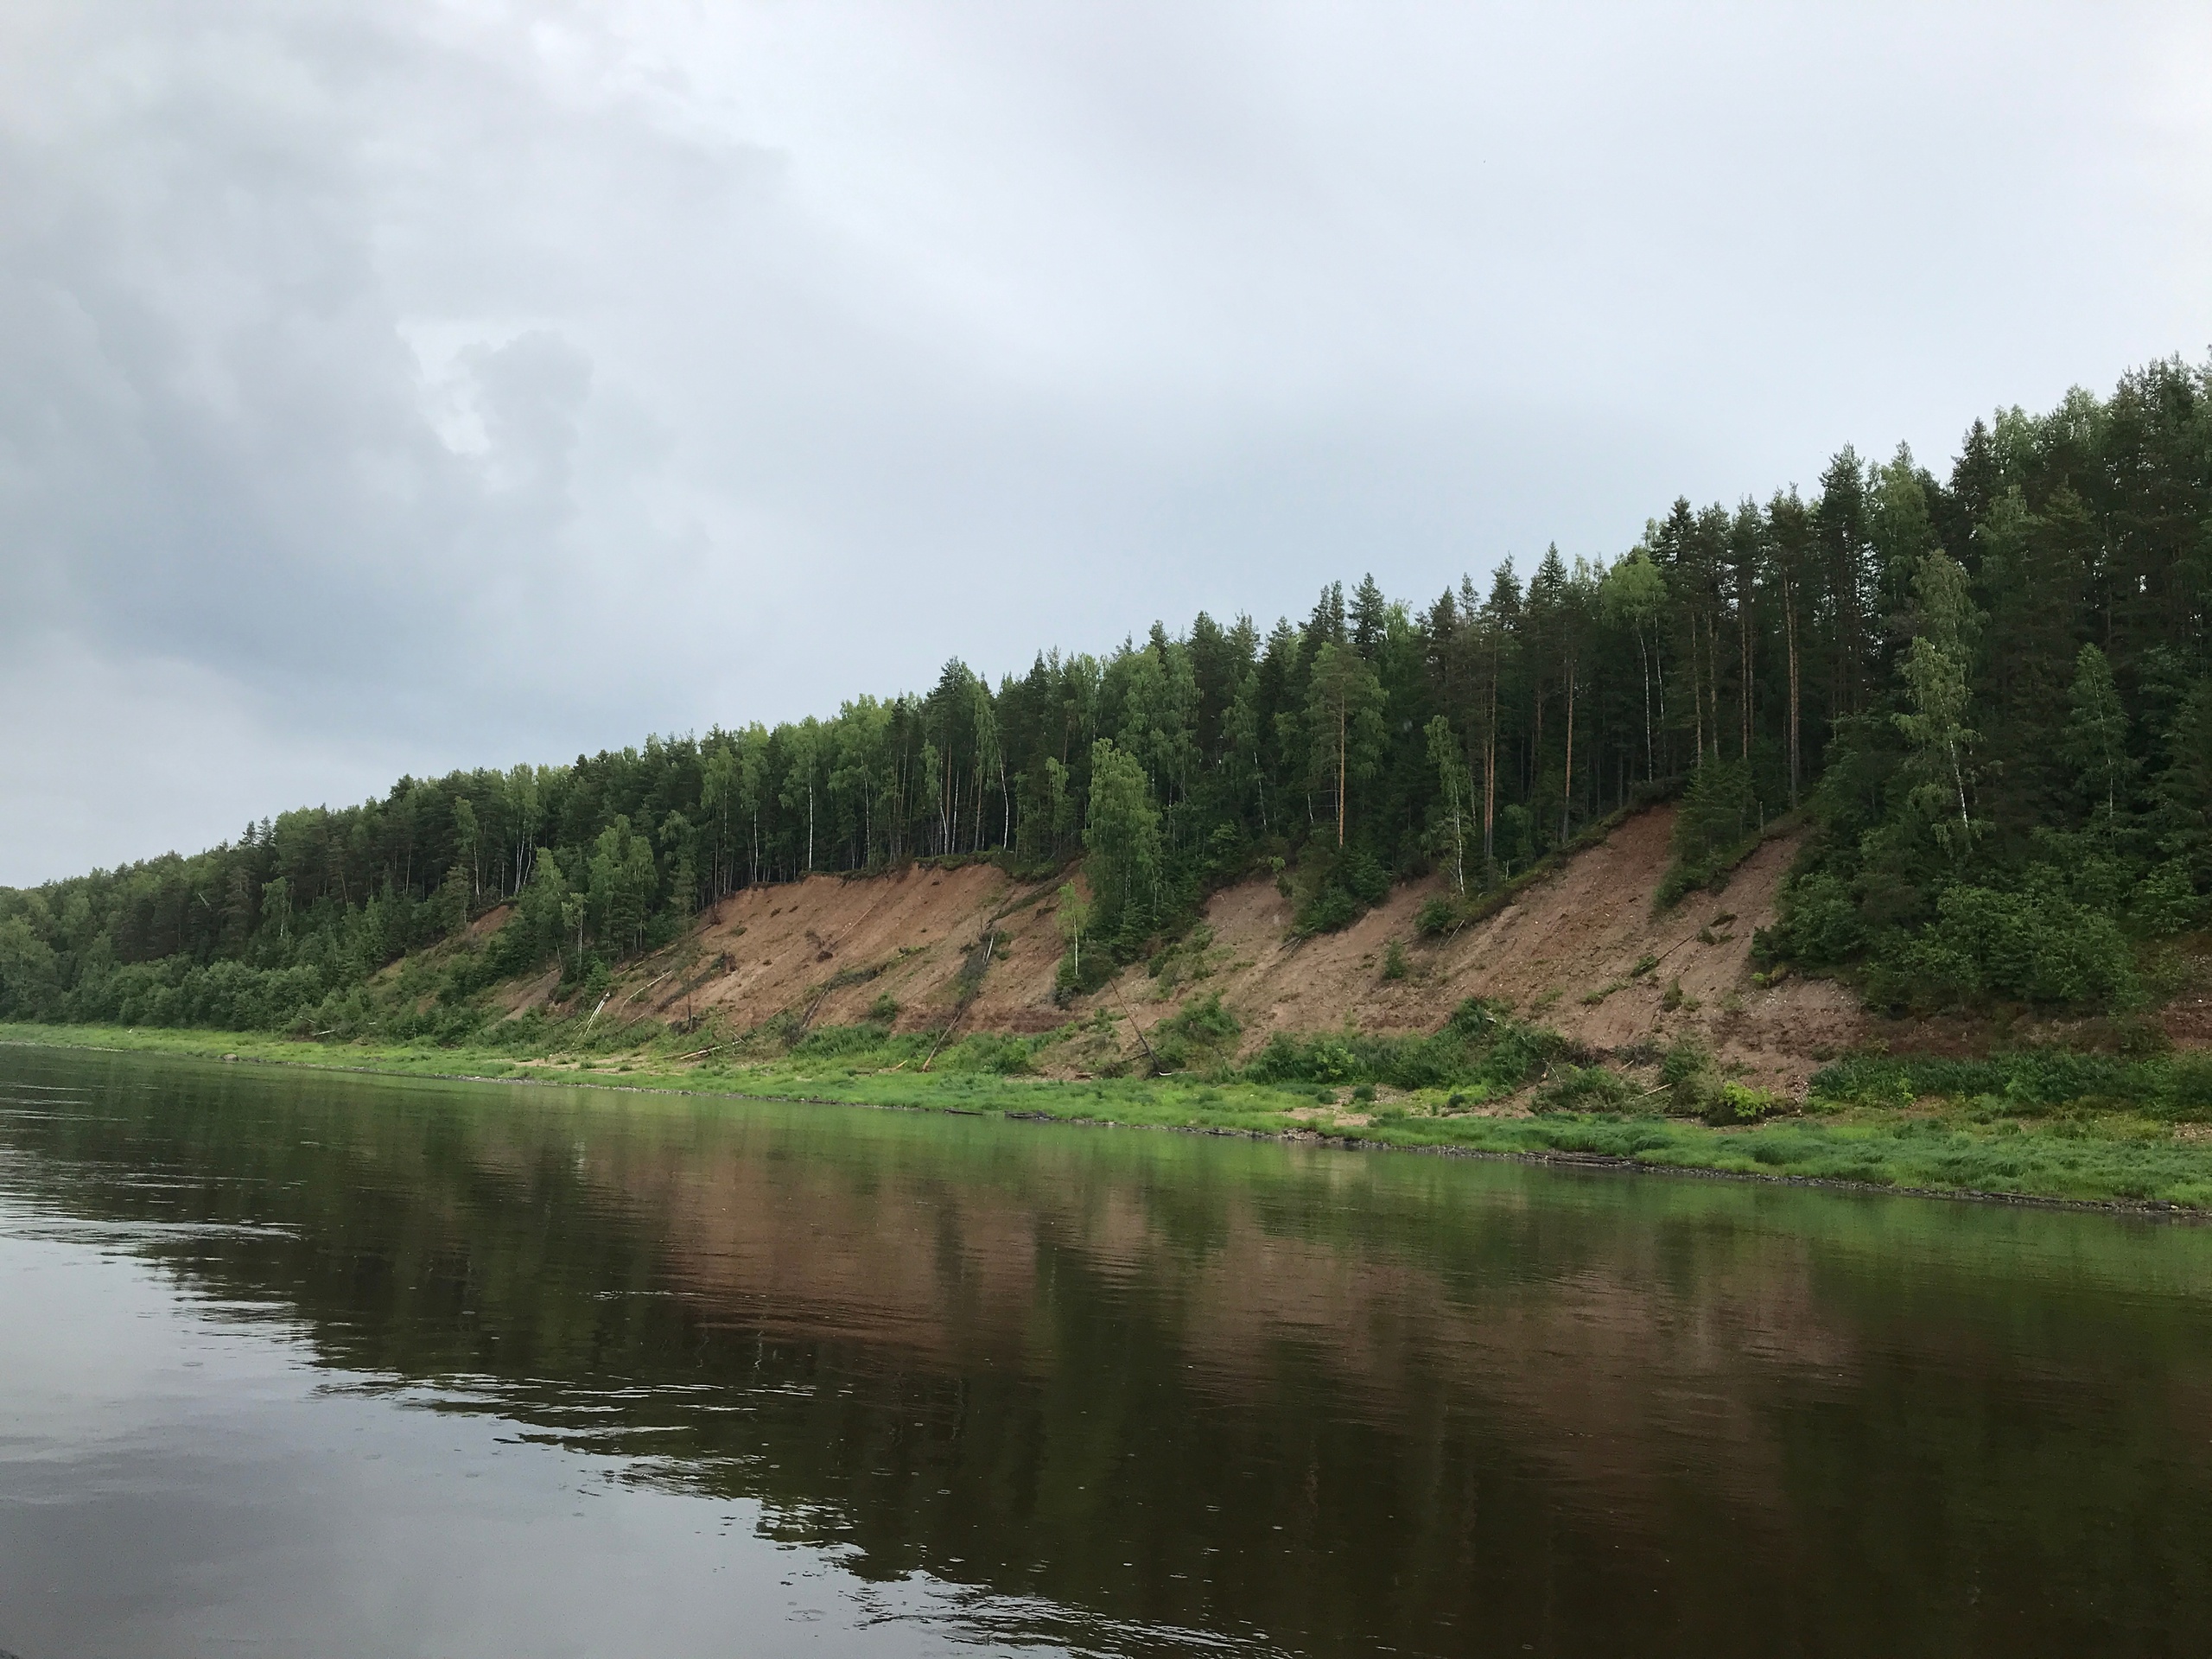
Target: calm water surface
x: 305, y: 1364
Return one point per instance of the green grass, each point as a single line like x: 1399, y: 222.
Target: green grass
x: 2120, y: 1145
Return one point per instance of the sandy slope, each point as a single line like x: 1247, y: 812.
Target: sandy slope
x: 827, y: 948
x: 1580, y: 930
x: 772, y: 951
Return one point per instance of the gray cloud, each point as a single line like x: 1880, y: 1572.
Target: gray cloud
x: 407, y: 385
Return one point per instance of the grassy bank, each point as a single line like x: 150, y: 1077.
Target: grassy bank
x: 2133, y: 1139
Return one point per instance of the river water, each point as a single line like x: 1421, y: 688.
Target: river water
x: 307, y: 1363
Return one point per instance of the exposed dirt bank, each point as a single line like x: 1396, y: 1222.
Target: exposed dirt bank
x: 1581, y: 950
x: 1566, y: 952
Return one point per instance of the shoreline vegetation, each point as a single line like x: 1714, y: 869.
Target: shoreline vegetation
x: 1978, y: 707
x: 1981, y: 700
x: 2045, y: 1127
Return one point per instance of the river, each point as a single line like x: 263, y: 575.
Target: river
x: 304, y: 1362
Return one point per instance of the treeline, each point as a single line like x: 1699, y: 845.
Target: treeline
x: 1990, y: 690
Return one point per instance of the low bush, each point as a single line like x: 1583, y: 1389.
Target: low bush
x: 842, y: 1042
x: 1436, y: 916
x: 1202, y: 1034
x: 2035, y: 946
x: 1584, y: 1089
x: 1339, y: 887
x: 1720, y: 823
x: 1480, y: 1043
x: 2028, y: 1082
x: 989, y: 1051
x: 1737, y: 1102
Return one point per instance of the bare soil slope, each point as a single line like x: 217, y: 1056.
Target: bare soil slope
x: 1563, y: 952
x: 825, y: 949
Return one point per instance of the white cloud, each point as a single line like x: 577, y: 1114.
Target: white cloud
x: 435, y: 385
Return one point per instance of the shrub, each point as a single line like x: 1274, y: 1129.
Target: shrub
x: 1394, y: 965
x: 1735, y: 1102
x: 1696, y: 1088
x: 1365, y: 877
x: 838, y: 1042
x: 2166, y: 902
x: 988, y: 1051
x: 1436, y: 916
x: 1071, y: 980
x: 2036, y: 946
x: 1685, y: 1059
x: 1478, y: 1045
x: 1584, y: 1088
x: 1717, y: 826
x: 1327, y: 911
x: 1201, y: 1031
x: 1345, y: 882
x: 2027, y: 1082
x: 1203, y: 1021
x: 1819, y: 923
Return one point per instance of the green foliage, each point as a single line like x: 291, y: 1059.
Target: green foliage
x: 2118, y: 1144
x: 2096, y: 739
x: 2035, y: 945
x: 1969, y: 681
x: 1455, y: 815
x: 1820, y: 923
x: 1072, y: 915
x: 1479, y: 1045
x: 1937, y: 673
x: 1122, y: 836
x: 1201, y: 1036
x: 2028, y: 787
x: 1394, y: 965
x: 2029, y: 1082
x: 1695, y: 1087
x: 1737, y: 1102
x: 1436, y: 916
x: 1717, y: 825
x: 1345, y: 718
x: 1202, y: 1019
x: 29, y: 980
x: 1585, y: 1089
x: 2166, y: 901
x: 1341, y: 884
x: 622, y: 884
x: 872, y: 1041
x: 1002, y: 1056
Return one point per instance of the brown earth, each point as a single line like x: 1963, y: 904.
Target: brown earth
x: 826, y: 948
x: 1573, y: 936
x: 1565, y: 953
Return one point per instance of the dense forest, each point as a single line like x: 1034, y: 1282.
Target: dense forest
x: 1991, y: 694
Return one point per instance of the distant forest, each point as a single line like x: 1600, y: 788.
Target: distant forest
x: 1990, y: 694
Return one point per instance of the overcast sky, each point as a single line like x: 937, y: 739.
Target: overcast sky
x: 388, y: 387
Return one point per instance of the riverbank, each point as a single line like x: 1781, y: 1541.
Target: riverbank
x: 1935, y: 1146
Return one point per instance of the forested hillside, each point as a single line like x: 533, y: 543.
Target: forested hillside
x: 1991, y: 692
